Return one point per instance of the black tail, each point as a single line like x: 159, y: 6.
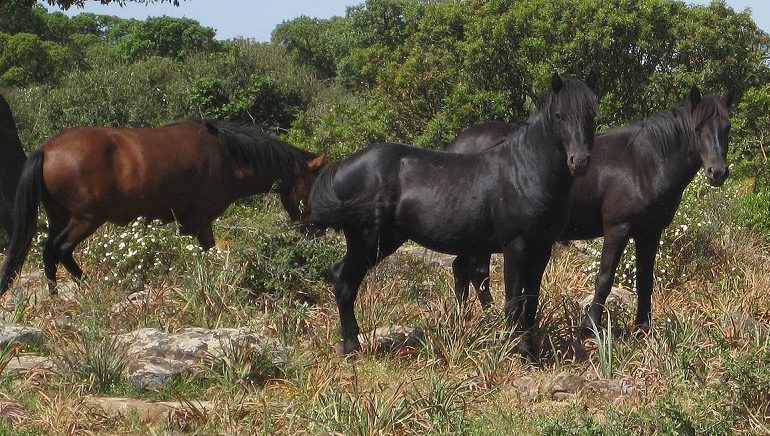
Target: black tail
x: 327, y: 210
x: 24, y: 219
x: 323, y: 200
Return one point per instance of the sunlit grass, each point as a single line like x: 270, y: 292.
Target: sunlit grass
x: 700, y: 370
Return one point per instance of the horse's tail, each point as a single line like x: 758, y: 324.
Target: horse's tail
x: 323, y: 200
x: 24, y: 219
x: 367, y: 207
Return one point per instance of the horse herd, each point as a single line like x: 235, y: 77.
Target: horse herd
x: 514, y: 189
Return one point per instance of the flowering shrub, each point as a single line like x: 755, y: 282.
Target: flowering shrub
x: 702, y: 216
x: 132, y: 255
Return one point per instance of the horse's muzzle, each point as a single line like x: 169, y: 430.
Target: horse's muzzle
x: 578, y: 164
x: 716, y: 178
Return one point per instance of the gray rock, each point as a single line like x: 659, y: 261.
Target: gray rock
x: 428, y: 256
x: 563, y: 386
x: 150, y: 412
x: 12, y: 333
x: 609, y: 390
x: 385, y: 339
x: 745, y: 323
x: 133, y: 302
x: 25, y: 363
x: 527, y: 386
x: 33, y: 369
x: 566, y: 385
x: 155, y: 358
x: 621, y: 302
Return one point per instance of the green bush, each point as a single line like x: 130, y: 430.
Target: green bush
x: 754, y: 211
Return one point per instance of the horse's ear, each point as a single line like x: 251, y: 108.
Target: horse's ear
x: 695, y: 96
x: 592, y: 79
x: 316, y: 163
x: 556, y: 83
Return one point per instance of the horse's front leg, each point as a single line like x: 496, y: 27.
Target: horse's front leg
x: 646, y: 249
x: 615, y: 240
x: 513, y: 252
x: 534, y: 268
x: 364, y: 250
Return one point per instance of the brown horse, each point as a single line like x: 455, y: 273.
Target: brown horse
x: 189, y: 172
x: 12, y: 158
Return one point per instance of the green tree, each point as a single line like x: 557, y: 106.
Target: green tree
x: 66, y: 4
x: 170, y: 37
x: 25, y: 58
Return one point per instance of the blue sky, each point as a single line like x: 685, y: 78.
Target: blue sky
x: 257, y: 18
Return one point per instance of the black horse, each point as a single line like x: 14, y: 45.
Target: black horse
x: 512, y: 200
x: 12, y: 158
x: 632, y: 190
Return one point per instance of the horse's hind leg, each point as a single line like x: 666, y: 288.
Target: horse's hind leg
x: 334, y: 271
x: 6, y: 224
x: 363, y: 252
x: 51, y: 255
x: 57, y: 224
x: 76, y: 232
x: 479, y: 272
x: 206, y: 237
x: 462, y: 279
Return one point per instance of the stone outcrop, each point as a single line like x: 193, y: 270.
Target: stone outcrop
x: 385, y: 339
x: 150, y: 412
x: 12, y: 333
x: 621, y: 303
x: 155, y: 358
x: 566, y: 386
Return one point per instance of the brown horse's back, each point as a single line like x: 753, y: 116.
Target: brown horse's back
x: 117, y: 175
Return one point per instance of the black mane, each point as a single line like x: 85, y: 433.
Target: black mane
x: 676, y: 127
x: 249, y: 145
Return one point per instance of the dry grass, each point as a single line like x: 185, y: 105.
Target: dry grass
x: 701, y: 370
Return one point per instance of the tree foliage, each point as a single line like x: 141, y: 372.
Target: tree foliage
x: 66, y: 4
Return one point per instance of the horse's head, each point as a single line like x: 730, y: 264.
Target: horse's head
x: 571, y: 109
x: 294, y: 195
x: 711, y: 127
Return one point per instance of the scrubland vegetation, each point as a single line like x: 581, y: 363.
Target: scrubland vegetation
x: 417, y: 72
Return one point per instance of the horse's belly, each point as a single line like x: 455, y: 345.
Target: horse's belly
x: 446, y: 230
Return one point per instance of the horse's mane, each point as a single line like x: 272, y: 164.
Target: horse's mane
x: 6, y: 116
x: 249, y: 145
x: 676, y: 126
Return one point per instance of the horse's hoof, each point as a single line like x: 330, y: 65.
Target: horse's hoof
x: 577, y: 351
x: 588, y: 329
x: 527, y: 350
x: 641, y: 330
x: 343, y: 349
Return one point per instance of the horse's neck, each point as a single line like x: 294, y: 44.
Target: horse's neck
x: 537, y: 148
x: 678, y: 164
x: 250, y: 180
